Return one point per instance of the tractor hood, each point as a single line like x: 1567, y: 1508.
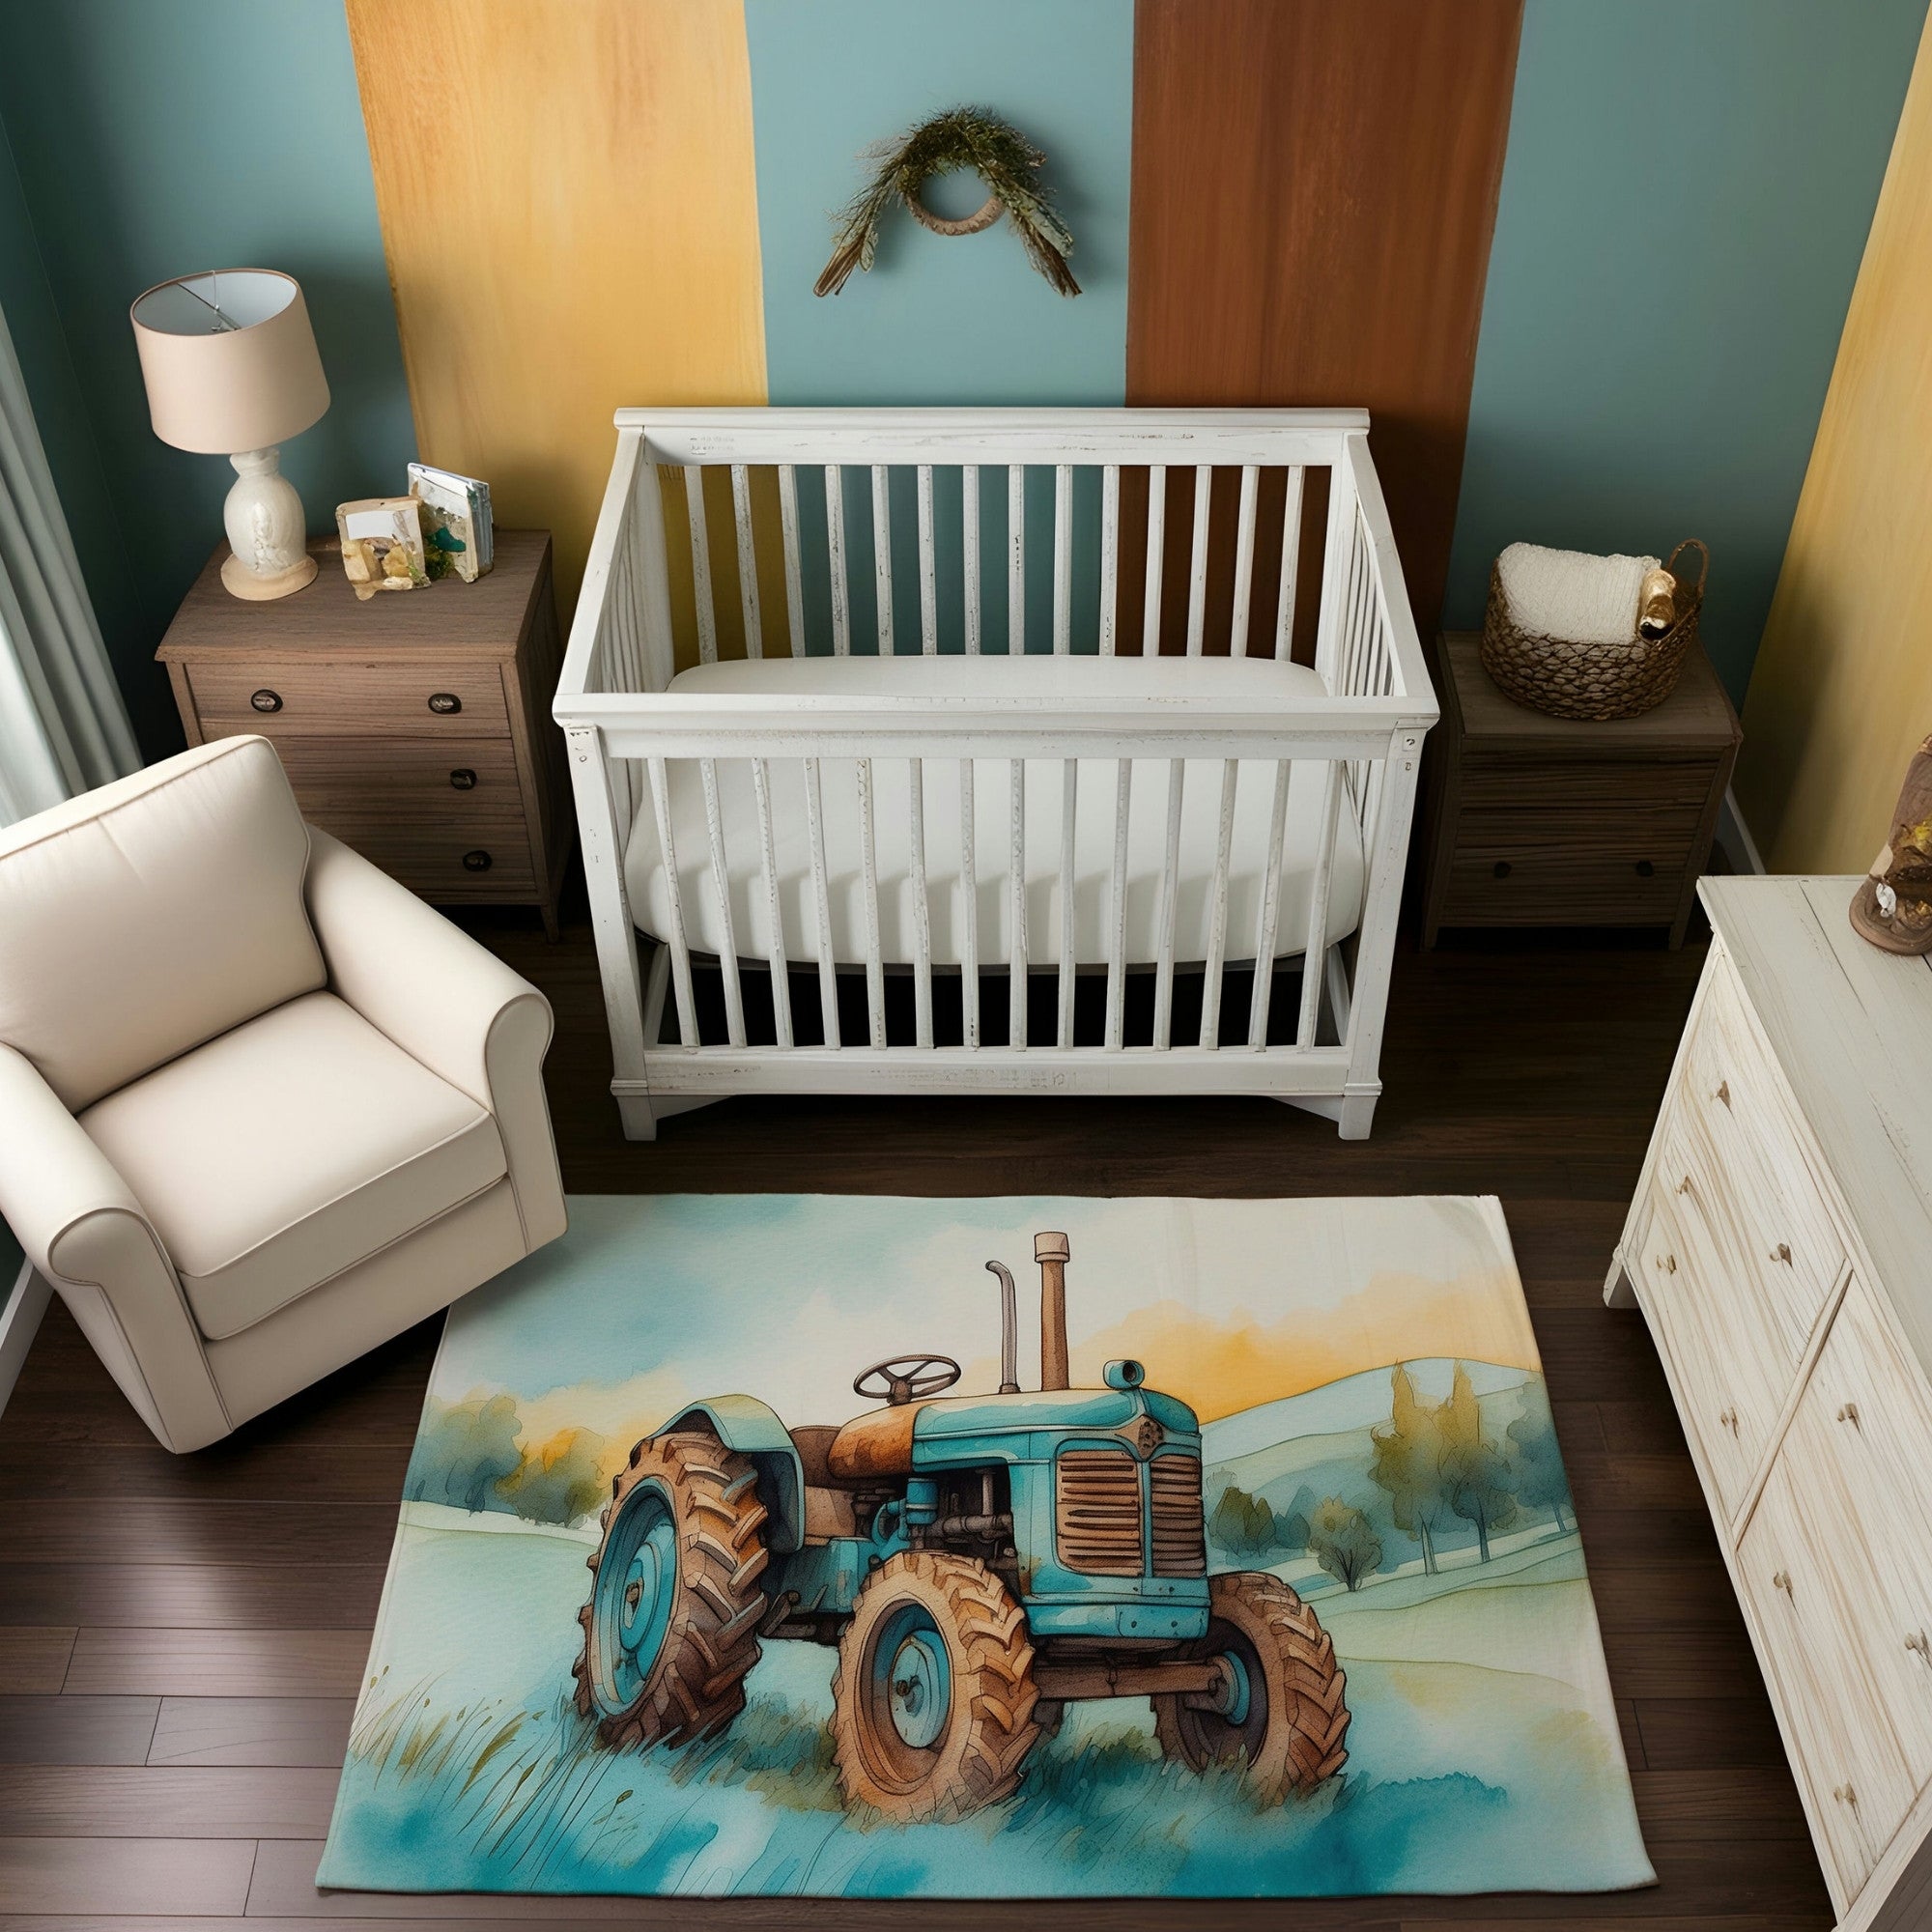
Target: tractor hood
x: 1049, y: 1409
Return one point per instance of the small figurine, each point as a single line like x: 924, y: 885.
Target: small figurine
x: 1893, y: 907
x: 382, y: 544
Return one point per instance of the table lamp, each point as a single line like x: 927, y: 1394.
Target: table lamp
x: 231, y: 370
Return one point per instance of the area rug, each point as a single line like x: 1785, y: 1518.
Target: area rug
x: 1181, y: 1547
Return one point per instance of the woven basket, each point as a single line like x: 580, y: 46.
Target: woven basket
x: 1593, y: 681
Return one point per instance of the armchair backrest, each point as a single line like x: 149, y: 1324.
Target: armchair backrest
x: 142, y: 918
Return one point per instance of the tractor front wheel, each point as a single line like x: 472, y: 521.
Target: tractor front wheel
x: 1281, y: 1714
x: 672, y: 1622
x: 933, y: 1701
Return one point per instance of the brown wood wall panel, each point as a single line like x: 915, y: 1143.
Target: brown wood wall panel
x: 1314, y: 193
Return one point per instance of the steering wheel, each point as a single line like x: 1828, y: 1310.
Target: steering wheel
x: 907, y: 1375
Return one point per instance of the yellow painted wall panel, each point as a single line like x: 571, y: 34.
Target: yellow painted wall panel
x: 569, y: 210
x: 1841, y: 693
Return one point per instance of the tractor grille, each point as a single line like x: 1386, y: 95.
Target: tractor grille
x: 1178, y: 1547
x: 1098, y: 1522
x: 1096, y: 1512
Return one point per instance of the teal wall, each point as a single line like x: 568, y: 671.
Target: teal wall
x: 1684, y: 205
x: 153, y: 137
x: 943, y: 320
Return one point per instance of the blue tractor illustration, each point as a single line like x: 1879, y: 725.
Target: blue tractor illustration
x: 979, y: 1562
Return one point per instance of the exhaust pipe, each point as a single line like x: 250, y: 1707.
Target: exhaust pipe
x: 1010, y: 1329
x: 1050, y: 1251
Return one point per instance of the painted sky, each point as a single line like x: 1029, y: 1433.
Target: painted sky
x: 653, y: 1300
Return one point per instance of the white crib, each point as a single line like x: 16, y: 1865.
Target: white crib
x: 943, y: 825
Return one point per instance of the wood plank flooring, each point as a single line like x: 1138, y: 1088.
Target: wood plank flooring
x: 179, y: 1639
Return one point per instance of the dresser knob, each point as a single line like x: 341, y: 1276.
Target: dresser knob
x: 266, y: 701
x: 1845, y: 1795
x: 1502, y: 869
x: 1645, y: 869
x: 1850, y: 1413
x: 463, y: 778
x: 1729, y: 1419
x: 1780, y: 1579
x: 1684, y: 1185
x: 1723, y: 1093
x: 1667, y: 1263
x: 444, y: 704
x: 1781, y: 1253
x: 1917, y: 1642
x: 476, y: 862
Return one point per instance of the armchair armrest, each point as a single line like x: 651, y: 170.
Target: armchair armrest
x: 84, y: 1231
x: 449, y: 1003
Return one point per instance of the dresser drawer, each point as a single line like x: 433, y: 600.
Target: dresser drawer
x: 446, y: 862
x: 350, y: 781
x: 1791, y: 1558
x: 349, y: 698
x: 1727, y: 1363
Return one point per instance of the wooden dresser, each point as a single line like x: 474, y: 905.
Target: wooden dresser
x: 1780, y: 1249
x: 416, y: 726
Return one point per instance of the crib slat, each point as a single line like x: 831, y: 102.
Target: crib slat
x: 761, y: 785
x: 1015, y: 559
x: 922, y: 910
x: 1110, y: 557
x: 1070, y: 798
x: 748, y: 560
x: 1271, y: 911
x: 969, y: 551
x: 1315, y: 953
x: 868, y: 875
x: 1117, y: 937
x: 680, y: 951
x: 1197, y: 563
x: 834, y: 553
x: 794, y: 588
x: 1170, y: 897
x: 700, y: 564
x: 1156, y: 558
x: 1244, y: 561
x: 828, y: 975
x: 1291, y: 562
x: 1063, y: 558
x: 928, y: 572
x: 1016, y: 955
x: 727, y: 957
x: 882, y: 554
x: 969, y: 927
x: 1217, y: 908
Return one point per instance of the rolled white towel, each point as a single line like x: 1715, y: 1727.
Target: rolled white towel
x: 1572, y: 595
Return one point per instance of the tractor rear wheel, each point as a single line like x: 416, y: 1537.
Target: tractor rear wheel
x: 1284, y: 1718
x: 672, y: 1622
x: 932, y: 1711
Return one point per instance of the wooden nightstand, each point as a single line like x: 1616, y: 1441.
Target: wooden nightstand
x: 415, y: 727
x: 1543, y: 821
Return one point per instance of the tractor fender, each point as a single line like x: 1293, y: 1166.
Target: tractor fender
x: 744, y: 1423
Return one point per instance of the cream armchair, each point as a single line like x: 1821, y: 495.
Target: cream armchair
x: 259, y: 1107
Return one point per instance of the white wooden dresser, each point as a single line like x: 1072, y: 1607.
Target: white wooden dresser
x: 1780, y: 1247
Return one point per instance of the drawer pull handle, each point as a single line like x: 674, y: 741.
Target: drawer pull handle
x: 1845, y: 1795
x: 1917, y: 1642
x: 1850, y: 1413
x: 444, y: 704
x: 476, y: 862
x: 265, y: 699
x: 1783, y: 1253
x: 1723, y: 1093
x: 1684, y: 1185
x: 1645, y: 869
x: 1502, y: 869
x: 1782, y: 1581
x: 1667, y: 1263
x: 463, y: 778
x: 1729, y: 1419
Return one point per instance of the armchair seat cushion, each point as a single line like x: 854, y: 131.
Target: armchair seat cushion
x: 291, y: 1147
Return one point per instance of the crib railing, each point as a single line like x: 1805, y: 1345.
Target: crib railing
x: 978, y: 532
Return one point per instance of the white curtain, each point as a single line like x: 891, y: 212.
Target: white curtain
x: 63, y: 727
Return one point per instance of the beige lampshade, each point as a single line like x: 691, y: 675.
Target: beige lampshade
x: 229, y: 361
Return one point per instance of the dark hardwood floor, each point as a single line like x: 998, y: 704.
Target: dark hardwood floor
x: 181, y: 1639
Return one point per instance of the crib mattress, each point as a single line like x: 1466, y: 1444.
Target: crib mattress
x: 1093, y: 827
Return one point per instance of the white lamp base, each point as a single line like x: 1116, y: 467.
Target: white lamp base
x: 266, y: 530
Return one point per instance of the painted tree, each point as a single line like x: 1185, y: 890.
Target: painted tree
x: 464, y: 1450
x: 1343, y: 1542
x: 1242, y: 1524
x: 1535, y: 1461
x: 1408, y: 1464
x: 560, y: 1480
x: 1475, y: 1476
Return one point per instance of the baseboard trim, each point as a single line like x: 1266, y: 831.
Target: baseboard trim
x: 1734, y: 838
x: 20, y: 1324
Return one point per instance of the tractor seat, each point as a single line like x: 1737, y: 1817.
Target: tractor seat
x: 813, y: 1442
x: 869, y: 1446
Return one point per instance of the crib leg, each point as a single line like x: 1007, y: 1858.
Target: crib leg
x: 1358, y: 1111
x: 640, y: 1118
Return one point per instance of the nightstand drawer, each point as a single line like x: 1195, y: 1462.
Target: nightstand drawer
x: 1510, y: 872
x: 486, y: 860
x: 344, y: 697
x: 341, y: 781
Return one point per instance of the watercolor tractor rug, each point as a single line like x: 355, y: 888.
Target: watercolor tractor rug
x: 880, y: 1548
